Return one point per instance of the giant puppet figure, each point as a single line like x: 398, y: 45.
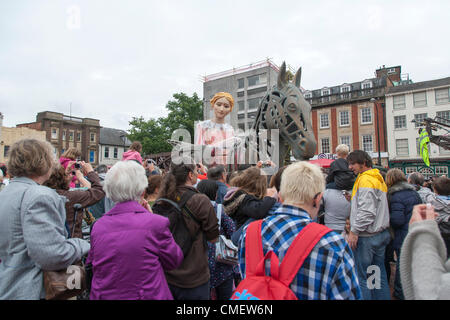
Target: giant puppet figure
x: 283, y: 110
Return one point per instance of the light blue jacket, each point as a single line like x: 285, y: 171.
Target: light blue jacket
x: 33, y: 238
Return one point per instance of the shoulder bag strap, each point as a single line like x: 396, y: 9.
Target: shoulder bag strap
x: 253, y: 248
x: 219, y: 214
x: 300, y: 249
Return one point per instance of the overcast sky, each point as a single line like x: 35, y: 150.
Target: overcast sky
x: 113, y: 60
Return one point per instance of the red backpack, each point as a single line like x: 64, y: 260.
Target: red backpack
x: 258, y: 286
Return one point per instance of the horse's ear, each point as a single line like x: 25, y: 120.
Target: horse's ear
x: 298, y: 77
x: 282, y: 81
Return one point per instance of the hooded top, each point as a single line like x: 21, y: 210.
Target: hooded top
x: 369, y: 206
x: 132, y: 155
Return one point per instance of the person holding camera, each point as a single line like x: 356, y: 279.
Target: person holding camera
x: 60, y: 181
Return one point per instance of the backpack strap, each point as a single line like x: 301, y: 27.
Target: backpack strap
x: 300, y: 249
x: 183, y: 201
x: 253, y: 248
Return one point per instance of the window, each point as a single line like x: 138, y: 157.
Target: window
x: 324, y: 123
x: 92, y: 137
x: 325, y: 92
x: 106, y: 152
x: 344, y: 119
x: 441, y: 115
x: 345, y: 140
x: 325, y: 145
x: 345, y: 90
x: 391, y: 70
x: 367, y: 143
x: 253, y: 103
x: 78, y: 136
x: 418, y: 146
x: 240, y: 94
x: 420, y: 99
x: 400, y: 122
x: 257, y: 80
x: 241, y: 105
x: 240, y: 83
x: 54, y: 133
x: 241, y: 126
x: 308, y: 95
x: 5, y: 151
x: 409, y: 170
x: 241, y: 116
x: 442, y: 95
x: 366, y: 116
x: 419, y: 118
x: 402, y: 147
x: 366, y: 85
x: 426, y: 172
x: 439, y: 171
x: 256, y: 91
x: 71, y: 135
x: 64, y: 135
x: 116, y: 153
x: 399, y: 102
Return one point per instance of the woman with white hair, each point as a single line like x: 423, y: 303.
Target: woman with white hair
x: 131, y: 248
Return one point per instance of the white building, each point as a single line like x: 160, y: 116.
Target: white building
x: 407, y: 104
x: 112, y: 144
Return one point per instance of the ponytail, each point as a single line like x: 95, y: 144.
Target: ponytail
x: 177, y: 176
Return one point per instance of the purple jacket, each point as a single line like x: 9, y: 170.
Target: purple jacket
x: 130, y: 250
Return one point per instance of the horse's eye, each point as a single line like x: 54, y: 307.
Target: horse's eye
x: 292, y: 107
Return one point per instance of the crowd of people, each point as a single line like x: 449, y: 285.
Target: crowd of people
x: 154, y: 233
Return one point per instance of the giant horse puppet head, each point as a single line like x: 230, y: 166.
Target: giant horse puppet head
x: 284, y: 108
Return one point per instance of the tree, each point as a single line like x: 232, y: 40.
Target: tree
x: 183, y: 112
x: 154, y: 133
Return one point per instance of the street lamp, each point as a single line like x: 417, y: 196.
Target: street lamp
x: 378, y: 130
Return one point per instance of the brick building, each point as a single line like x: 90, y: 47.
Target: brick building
x: 64, y: 131
x: 8, y: 136
x: 353, y: 114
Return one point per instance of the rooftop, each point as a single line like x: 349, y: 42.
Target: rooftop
x: 246, y: 68
x: 113, y: 137
x: 420, y: 85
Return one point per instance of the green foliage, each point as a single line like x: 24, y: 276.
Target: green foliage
x: 154, y: 133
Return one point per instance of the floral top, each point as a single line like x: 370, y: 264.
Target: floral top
x: 220, y: 271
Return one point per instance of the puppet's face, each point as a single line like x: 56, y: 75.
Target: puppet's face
x: 221, y: 108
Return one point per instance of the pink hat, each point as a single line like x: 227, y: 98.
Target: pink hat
x: 132, y: 155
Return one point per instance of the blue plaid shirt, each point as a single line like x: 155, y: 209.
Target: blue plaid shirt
x: 328, y: 273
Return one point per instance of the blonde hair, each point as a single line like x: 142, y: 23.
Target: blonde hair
x: 394, y: 176
x: 225, y: 95
x: 30, y: 158
x: 342, y: 149
x: 71, y: 153
x: 301, y: 182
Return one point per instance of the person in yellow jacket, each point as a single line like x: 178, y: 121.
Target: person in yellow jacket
x: 369, y: 223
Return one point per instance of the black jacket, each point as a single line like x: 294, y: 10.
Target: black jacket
x: 340, y: 174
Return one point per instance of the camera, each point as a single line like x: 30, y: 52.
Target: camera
x: 77, y: 165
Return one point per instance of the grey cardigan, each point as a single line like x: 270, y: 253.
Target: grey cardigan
x: 424, y: 268
x: 33, y: 238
